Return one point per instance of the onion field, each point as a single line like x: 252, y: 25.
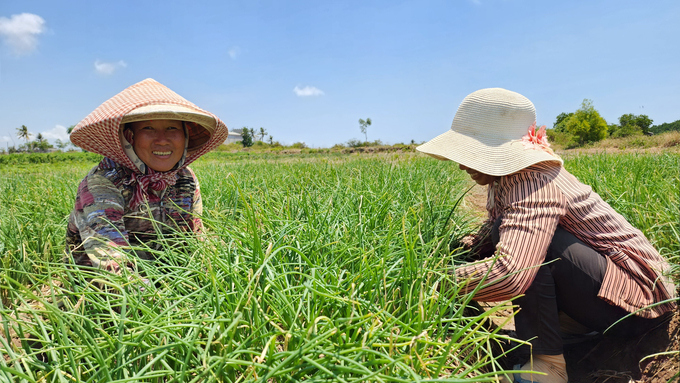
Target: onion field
x: 313, y: 267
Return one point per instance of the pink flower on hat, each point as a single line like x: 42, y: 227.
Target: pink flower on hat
x: 537, y: 139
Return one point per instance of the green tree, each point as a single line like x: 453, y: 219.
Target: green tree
x: 666, y: 127
x: 40, y: 144
x: 24, y: 133
x: 613, y: 130
x: 559, y: 124
x: 363, y: 125
x: 262, y: 133
x: 643, y: 122
x: 61, y: 144
x: 586, y: 124
x: 247, y: 136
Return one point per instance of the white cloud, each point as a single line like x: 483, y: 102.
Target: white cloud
x: 21, y: 32
x: 58, y: 133
x: 233, y: 52
x: 108, y: 68
x: 6, y: 139
x: 308, y: 91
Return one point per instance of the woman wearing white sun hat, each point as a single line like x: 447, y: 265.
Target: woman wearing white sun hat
x: 602, y: 268
x: 143, y: 188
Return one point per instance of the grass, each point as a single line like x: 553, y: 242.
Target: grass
x: 313, y: 267
x: 662, y: 140
x: 48, y: 158
x: 327, y: 268
x: 644, y: 188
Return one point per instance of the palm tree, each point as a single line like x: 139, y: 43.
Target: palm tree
x: 363, y: 125
x: 24, y: 133
x: 41, y: 143
x: 263, y: 132
x: 60, y: 144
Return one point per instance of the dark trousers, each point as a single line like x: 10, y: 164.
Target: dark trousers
x: 569, y: 283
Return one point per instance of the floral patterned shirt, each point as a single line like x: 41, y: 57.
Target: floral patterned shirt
x: 102, y: 226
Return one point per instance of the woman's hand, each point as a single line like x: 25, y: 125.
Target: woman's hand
x: 477, y: 246
x: 469, y: 241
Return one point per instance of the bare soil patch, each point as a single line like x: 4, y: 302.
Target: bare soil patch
x: 475, y: 202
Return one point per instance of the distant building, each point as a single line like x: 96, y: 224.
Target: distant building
x: 234, y: 137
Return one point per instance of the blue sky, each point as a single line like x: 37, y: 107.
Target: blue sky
x: 309, y: 70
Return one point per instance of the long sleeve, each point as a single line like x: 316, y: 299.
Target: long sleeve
x: 103, y: 227
x: 196, y: 207
x: 97, y: 218
x: 531, y: 209
x: 480, y: 244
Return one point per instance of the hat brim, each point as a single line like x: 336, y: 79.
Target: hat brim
x: 170, y: 112
x: 496, y: 160
x: 99, y: 132
x: 200, y: 125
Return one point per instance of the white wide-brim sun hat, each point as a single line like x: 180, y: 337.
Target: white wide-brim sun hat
x: 487, y: 134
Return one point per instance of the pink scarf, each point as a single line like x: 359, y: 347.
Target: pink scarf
x: 156, y: 180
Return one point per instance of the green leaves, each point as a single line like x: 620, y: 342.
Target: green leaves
x: 317, y: 268
x: 586, y: 124
x: 363, y: 126
x: 312, y: 268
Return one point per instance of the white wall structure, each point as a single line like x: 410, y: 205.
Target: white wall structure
x: 233, y: 137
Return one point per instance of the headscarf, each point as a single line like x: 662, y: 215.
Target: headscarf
x: 100, y: 132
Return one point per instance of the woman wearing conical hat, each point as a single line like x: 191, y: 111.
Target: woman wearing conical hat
x: 148, y: 136
x: 559, y: 248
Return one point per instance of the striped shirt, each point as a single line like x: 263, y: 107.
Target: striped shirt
x: 532, y: 203
x: 103, y: 226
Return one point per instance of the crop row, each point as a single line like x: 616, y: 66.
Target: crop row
x: 326, y: 267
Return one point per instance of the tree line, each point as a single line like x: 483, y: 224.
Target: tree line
x: 40, y: 144
x: 249, y: 135
x: 574, y: 129
x: 586, y: 125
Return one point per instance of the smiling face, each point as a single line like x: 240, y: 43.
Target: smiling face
x: 159, y: 143
x: 480, y: 178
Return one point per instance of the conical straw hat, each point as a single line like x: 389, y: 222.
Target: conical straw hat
x: 100, y: 131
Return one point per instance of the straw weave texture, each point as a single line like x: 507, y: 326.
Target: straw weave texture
x: 99, y: 131
x: 486, y: 134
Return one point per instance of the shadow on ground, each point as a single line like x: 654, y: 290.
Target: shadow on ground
x: 615, y: 360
